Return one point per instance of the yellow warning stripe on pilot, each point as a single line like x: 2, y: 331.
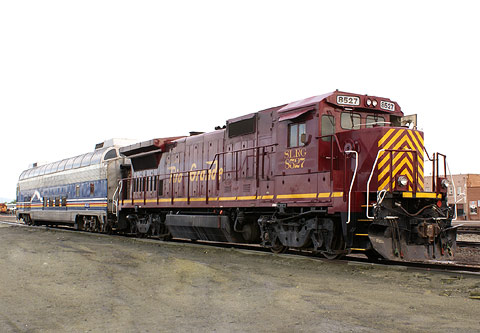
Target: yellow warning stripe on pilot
x: 429, y: 195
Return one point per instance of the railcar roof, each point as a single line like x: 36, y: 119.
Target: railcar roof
x: 305, y: 102
x: 358, y: 102
x: 95, y: 157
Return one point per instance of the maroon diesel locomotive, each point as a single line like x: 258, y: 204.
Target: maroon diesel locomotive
x: 333, y: 174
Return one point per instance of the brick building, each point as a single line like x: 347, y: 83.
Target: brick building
x: 468, y: 195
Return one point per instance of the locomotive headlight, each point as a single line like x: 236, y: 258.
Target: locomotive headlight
x: 444, y: 183
x: 402, y: 181
x: 374, y: 103
x: 369, y: 102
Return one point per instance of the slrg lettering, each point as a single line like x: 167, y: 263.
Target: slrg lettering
x: 295, y: 158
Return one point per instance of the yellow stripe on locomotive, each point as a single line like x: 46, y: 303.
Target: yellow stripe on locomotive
x: 403, y: 156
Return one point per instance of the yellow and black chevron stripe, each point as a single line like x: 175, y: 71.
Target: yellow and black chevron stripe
x: 400, y: 163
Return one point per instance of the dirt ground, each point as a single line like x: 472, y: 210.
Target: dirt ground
x: 59, y: 281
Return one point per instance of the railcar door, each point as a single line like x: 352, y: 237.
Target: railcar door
x: 265, y: 162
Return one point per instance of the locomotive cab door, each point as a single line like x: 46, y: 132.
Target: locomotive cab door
x: 329, y: 159
x: 296, y: 157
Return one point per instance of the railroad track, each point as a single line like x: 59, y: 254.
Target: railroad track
x: 468, y: 244
x: 431, y: 266
x: 469, y: 230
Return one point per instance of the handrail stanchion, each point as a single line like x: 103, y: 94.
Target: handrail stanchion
x: 353, y: 180
x: 368, y: 182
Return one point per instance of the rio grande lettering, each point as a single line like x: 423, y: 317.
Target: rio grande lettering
x: 195, y: 175
x: 295, y: 158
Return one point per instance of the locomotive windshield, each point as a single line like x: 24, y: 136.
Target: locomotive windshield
x: 350, y: 120
x: 373, y: 121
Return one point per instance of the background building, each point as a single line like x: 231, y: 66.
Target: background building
x: 468, y: 195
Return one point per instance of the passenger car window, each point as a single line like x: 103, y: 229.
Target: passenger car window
x: 86, y: 160
x: 36, y: 172
x: 55, y: 166
x: 112, y: 153
x: 61, y: 166
x: 77, y: 162
x: 69, y: 164
x: 328, y: 126
x: 350, y: 120
x: 295, y: 132
x: 49, y: 169
x: 97, y: 156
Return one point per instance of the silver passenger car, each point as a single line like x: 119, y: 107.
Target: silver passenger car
x: 78, y: 190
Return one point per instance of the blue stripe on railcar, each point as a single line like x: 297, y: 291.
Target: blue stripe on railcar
x: 76, y: 199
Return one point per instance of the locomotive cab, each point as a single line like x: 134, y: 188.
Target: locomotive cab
x: 369, y: 169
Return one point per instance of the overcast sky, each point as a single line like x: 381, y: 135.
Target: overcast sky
x: 73, y: 73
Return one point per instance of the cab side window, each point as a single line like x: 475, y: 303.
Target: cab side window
x: 295, y: 132
x: 328, y: 127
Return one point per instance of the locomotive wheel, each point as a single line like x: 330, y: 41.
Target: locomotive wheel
x: 279, y: 247
x: 251, y: 233
x: 140, y: 234
x: 332, y: 256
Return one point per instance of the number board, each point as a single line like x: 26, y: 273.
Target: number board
x: 348, y: 100
x: 387, y: 106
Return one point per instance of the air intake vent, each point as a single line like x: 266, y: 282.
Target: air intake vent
x: 242, y: 127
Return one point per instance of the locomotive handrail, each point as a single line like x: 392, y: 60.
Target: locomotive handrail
x: 353, y: 180
x: 208, y: 172
x: 216, y: 157
x: 368, y: 182
x: 435, y: 179
x: 344, y: 152
x: 454, y: 193
x: 336, y: 140
x: 117, y: 190
x: 435, y: 171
